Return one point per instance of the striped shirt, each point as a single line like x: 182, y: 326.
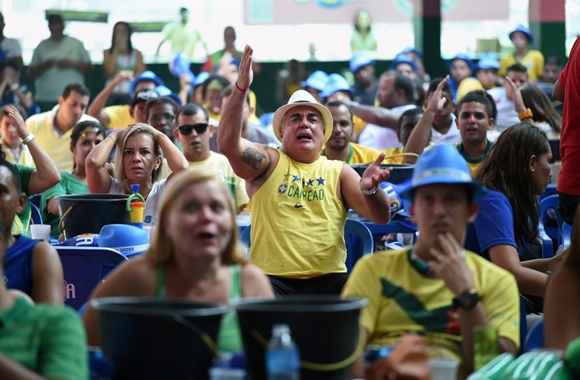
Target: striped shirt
x: 49, y: 340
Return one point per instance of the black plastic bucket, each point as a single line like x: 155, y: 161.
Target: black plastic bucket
x: 88, y: 213
x: 400, y: 173
x: 151, y: 338
x: 325, y: 329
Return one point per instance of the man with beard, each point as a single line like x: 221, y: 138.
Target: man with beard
x: 339, y: 147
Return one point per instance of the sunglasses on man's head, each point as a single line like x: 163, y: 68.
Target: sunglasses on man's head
x: 199, y: 128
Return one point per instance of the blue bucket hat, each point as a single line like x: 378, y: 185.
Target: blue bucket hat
x: 359, y: 60
x: 488, y: 61
x: 127, y: 239
x: 336, y: 82
x: 442, y: 164
x: 524, y: 30
x: 402, y: 58
x: 463, y: 57
x: 180, y: 65
x: 165, y: 91
x: 145, y: 75
x: 317, y: 80
x: 200, y: 78
x: 412, y: 50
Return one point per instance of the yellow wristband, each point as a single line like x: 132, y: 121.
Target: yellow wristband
x: 524, y: 115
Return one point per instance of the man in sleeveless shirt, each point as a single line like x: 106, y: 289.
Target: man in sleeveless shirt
x: 299, y: 200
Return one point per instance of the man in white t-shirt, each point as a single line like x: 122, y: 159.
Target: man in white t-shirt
x: 395, y: 96
x: 506, y: 116
x: 10, y: 47
x: 56, y: 62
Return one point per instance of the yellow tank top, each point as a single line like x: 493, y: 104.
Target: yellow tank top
x: 298, y: 220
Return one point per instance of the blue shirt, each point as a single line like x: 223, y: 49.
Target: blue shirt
x: 494, y: 224
x: 18, y: 264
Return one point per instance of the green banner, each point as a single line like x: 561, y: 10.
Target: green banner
x: 86, y: 16
x: 154, y: 26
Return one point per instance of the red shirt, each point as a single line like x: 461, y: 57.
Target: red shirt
x: 569, y: 179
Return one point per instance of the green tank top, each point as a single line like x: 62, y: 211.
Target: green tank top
x: 229, y: 336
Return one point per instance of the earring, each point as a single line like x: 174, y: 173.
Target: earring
x: 532, y: 170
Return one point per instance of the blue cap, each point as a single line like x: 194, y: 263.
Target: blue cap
x: 336, y: 82
x: 127, y: 239
x: 359, y: 60
x: 165, y: 91
x: 235, y: 61
x: 442, y: 164
x: 317, y: 80
x: 524, y: 30
x: 402, y: 58
x: 463, y: 57
x: 412, y: 50
x: 200, y: 78
x: 488, y: 61
x: 180, y: 65
x: 145, y: 75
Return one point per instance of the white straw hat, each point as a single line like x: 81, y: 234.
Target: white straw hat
x: 303, y: 98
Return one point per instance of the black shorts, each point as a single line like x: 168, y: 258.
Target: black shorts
x: 567, y: 205
x: 331, y: 283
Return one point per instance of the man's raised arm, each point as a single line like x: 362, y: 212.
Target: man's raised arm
x: 249, y: 160
x: 419, y: 137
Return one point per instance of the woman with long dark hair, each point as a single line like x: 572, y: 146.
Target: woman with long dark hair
x: 545, y: 116
x: 516, y: 171
x: 119, y: 57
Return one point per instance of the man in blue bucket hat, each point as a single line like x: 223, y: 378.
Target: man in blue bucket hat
x: 406, y: 66
x: 460, y: 67
x: 485, y: 76
x: 533, y: 60
x: 366, y: 84
x: 315, y: 84
x: 435, y: 288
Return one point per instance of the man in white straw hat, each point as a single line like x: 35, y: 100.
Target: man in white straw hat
x: 299, y: 200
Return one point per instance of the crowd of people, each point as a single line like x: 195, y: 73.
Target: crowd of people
x: 479, y: 139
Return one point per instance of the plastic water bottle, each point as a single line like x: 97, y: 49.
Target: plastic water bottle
x: 282, y: 357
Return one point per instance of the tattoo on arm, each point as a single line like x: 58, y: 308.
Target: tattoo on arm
x: 252, y: 157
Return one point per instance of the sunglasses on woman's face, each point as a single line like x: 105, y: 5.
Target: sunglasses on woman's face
x: 199, y: 128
